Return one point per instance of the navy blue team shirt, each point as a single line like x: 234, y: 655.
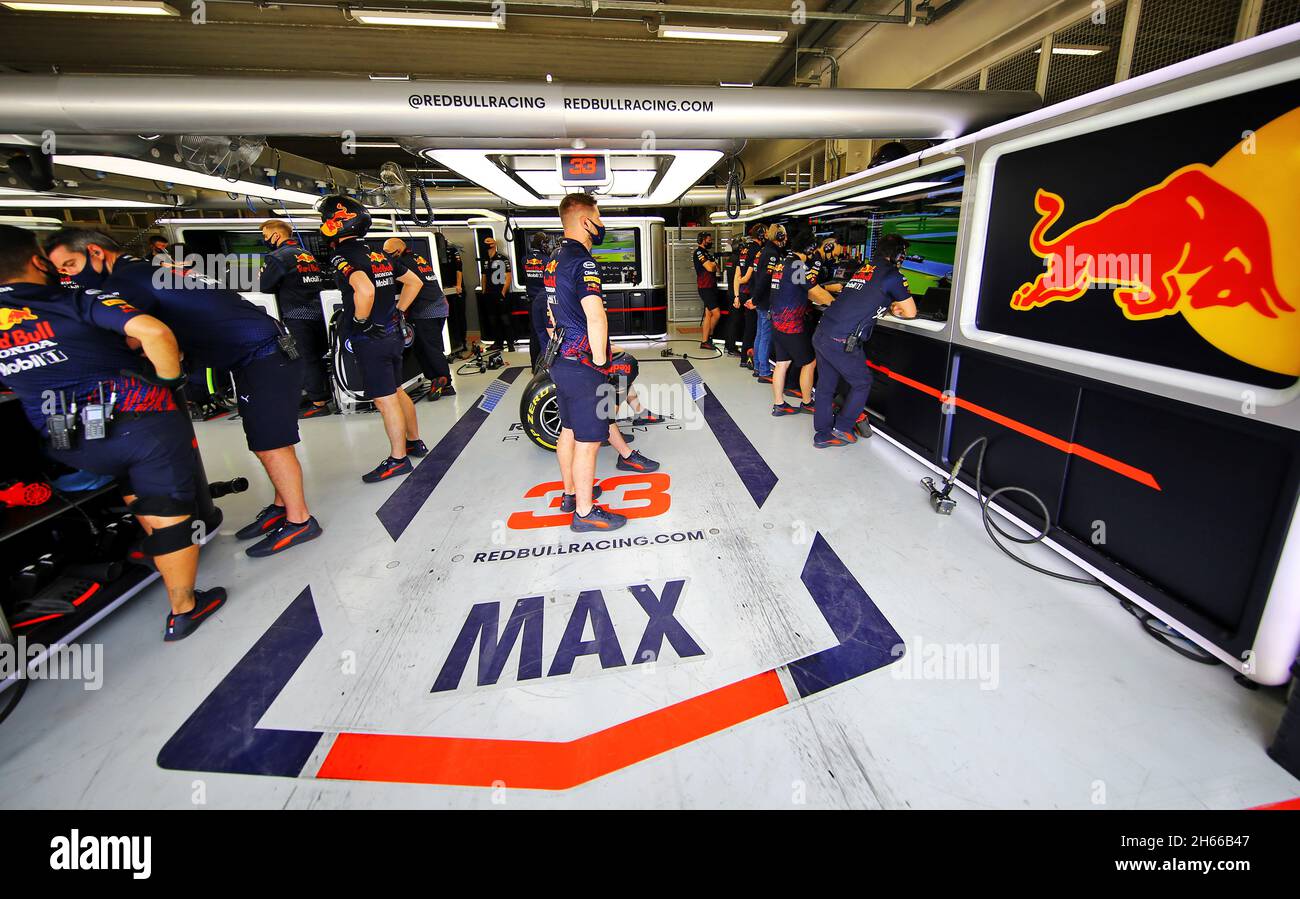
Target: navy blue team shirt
x: 791, y: 280
x: 356, y: 256
x: 871, y: 289
x: 572, y: 275
x: 294, y: 276
x: 215, y: 327
x: 71, y: 340
x: 430, y: 302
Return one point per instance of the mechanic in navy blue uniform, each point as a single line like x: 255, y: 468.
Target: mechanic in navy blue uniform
x: 64, y: 346
x: 759, y: 292
x: 294, y: 275
x: 217, y: 328
x: 706, y: 282
x: 371, y: 327
x: 453, y: 270
x: 583, y: 366
x: 539, y: 253
x: 821, y: 263
x: 873, y: 290
x: 746, y: 316
x: 794, y: 287
x: 494, y: 285
x: 427, y: 314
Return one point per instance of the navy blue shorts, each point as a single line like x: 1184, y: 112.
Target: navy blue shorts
x: 711, y: 297
x: 152, y: 453
x: 582, y: 392
x: 380, y: 361
x: 794, y: 348
x: 267, y: 391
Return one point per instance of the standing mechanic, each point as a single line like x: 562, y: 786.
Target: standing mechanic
x: 583, y: 361
x: 453, y: 269
x: 845, y: 327
x: 706, y: 282
x: 217, y: 327
x: 371, y: 327
x: 70, y: 344
x: 794, y: 284
x: 427, y: 314
x: 539, y: 323
x: 293, y: 274
x: 746, y: 323
x: 760, y: 293
x: 494, y: 279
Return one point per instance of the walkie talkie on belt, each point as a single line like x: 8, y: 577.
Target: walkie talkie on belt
x: 62, y: 425
x: 288, y: 345
x: 96, y: 416
x: 552, y: 349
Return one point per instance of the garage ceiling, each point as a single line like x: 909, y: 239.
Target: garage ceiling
x: 567, y: 41
x: 563, y: 41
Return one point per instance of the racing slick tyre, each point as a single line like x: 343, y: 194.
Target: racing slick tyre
x: 539, y: 411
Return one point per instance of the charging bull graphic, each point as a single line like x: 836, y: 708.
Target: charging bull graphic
x: 10, y: 317
x: 330, y: 227
x: 1205, y: 243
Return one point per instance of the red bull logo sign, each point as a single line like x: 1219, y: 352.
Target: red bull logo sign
x: 9, y: 317
x: 1205, y: 243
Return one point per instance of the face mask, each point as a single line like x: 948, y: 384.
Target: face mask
x: 598, y: 236
x: 88, y: 277
x: 268, y: 243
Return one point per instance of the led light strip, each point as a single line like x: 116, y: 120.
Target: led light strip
x: 153, y: 171
x: 688, y: 166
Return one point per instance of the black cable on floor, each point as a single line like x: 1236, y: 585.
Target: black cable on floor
x: 994, y: 529
x: 1153, y: 626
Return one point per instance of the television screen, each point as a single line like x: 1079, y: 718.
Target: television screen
x: 931, y: 250
x: 618, y: 246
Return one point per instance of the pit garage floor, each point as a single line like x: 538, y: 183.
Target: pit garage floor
x: 741, y: 651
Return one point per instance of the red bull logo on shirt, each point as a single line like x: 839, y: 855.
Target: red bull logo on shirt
x: 9, y: 317
x: 1205, y: 243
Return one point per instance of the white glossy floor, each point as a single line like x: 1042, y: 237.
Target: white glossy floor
x: 1069, y: 704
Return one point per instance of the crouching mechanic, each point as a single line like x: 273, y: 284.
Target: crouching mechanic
x: 844, y: 329
x: 293, y: 275
x: 370, y: 303
x: 218, y: 328
x: 64, y: 350
x: 427, y: 315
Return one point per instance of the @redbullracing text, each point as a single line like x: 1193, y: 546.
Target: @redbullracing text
x: 1160, y: 852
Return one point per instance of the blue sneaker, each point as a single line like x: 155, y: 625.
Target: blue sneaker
x: 389, y: 468
x: 416, y: 448
x: 286, y: 535
x: 181, y: 625
x: 597, y: 519
x: 266, y: 521
x: 569, y: 502
x: 636, y: 462
x: 783, y: 409
x: 832, y: 440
